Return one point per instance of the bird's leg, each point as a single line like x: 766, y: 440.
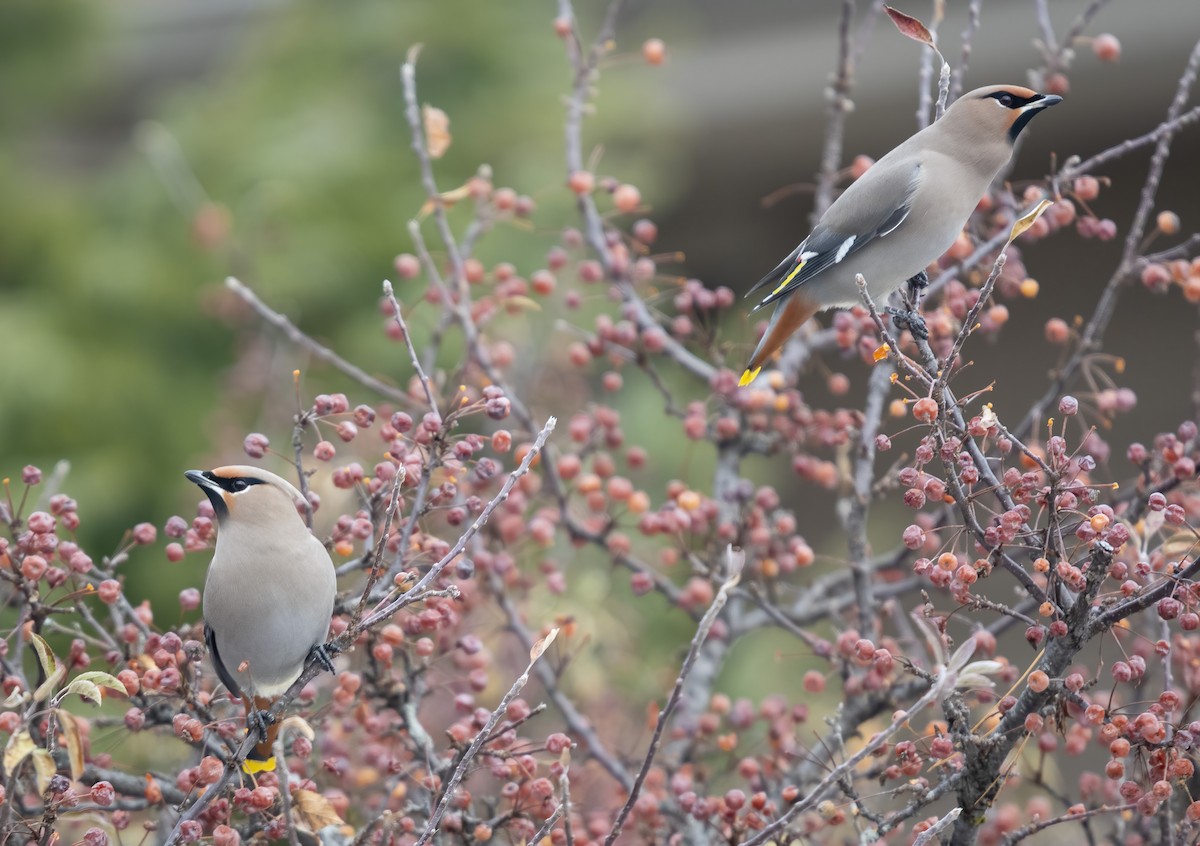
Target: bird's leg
x: 916, y: 285
x: 323, y: 655
x: 908, y: 318
x: 258, y: 715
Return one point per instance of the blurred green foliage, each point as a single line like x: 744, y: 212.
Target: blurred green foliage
x: 150, y: 151
x: 117, y: 184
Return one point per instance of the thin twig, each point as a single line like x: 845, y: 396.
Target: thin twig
x: 736, y: 562
x: 398, y: 316
x: 839, y: 107
x: 321, y: 352
x: 435, y: 571
x: 451, y: 786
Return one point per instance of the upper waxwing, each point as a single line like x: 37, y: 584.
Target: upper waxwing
x: 269, y: 595
x: 900, y: 216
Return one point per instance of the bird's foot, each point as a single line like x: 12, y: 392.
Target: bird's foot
x: 259, y: 720
x: 323, y: 655
x: 909, y: 320
x: 920, y: 281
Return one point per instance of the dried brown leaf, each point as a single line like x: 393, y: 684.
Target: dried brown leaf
x: 437, y: 131
x: 910, y: 26
x: 315, y: 810
x: 542, y: 645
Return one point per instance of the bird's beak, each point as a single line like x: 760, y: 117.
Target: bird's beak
x: 212, y: 490
x: 1042, y: 101
x: 197, y: 477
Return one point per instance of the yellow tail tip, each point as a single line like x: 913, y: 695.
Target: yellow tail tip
x: 749, y: 376
x: 250, y: 766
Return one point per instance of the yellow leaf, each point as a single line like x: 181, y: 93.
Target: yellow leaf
x: 315, y: 810
x: 1028, y: 219
x: 43, y: 762
x: 447, y: 199
x: 1178, y: 545
x: 74, y: 741
x: 881, y: 352
x: 17, y: 749
x: 45, y: 655
x: 524, y: 303
x: 437, y: 130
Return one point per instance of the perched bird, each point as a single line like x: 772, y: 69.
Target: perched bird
x: 269, y: 594
x: 900, y: 216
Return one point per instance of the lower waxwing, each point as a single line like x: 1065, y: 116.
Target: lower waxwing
x: 269, y: 595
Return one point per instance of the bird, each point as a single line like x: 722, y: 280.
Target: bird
x: 268, y: 596
x: 899, y: 216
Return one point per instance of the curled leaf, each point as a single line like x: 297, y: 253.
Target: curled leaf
x: 45, y: 654
x: 298, y: 725
x: 447, y: 198
x: 1028, y: 219
x: 542, y: 645
x: 85, y: 690
x: 881, y: 352
x: 315, y: 810
x: 102, y: 679
x: 52, y: 668
x: 910, y: 26
x: 437, y: 130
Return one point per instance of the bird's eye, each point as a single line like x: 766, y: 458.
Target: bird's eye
x: 238, y: 485
x: 1006, y: 100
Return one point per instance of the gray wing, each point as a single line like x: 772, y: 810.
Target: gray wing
x: 868, y: 210
x: 210, y: 638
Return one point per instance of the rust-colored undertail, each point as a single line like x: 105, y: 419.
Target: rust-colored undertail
x: 262, y: 756
x: 794, y: 313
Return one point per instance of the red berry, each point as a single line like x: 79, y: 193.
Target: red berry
x: 654, y: 51
x: 925, y: 410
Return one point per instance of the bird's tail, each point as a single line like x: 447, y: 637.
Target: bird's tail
x: 789, y: 315
x: 262, y: 757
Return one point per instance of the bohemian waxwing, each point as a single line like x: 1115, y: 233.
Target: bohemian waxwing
x: 269, y: 594
x: 900, y: 216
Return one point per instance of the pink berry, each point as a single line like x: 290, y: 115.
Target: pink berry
x: 145, y: 533
x: 1107, y: 47
x: 627, y: 198
x: 256, y: 445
